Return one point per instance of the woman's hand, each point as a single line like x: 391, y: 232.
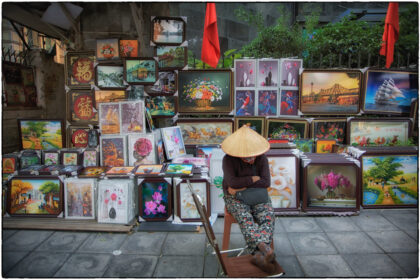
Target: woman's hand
x: 233, y: 191
x: 255, y: 178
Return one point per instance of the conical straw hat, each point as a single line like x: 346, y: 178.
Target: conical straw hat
x: 245, y: 142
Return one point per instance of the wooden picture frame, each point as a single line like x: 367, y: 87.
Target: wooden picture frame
x: 256, y: 123
x: 107, y: 49
x: 80, y: 69
x: 290, y: 129
x: 110, y: 118
x: 29, y: 158
x: 166, y: 84
x: 322, y: 92
x: 163, y: 28
x: 185, y: 206
x: 214, y: 97
x: 90, y: 157
x: 51, y: 198
x: 80, y: 107
x: 205, y: 131
x: 329, y: 129
x: 50, y: 157
x: 132, y: 117
x: 162, y: 106
x: 113, y: 150
x: 129, y: 48
x: 324, y: 146
x: 140, y: 70
x: 267, y: 102
x: 245, y: 102
x: 268, y: 73
x: 141, y: 149
x: 148, y: 170
x: 69, y: 157
x: 245, y: 73
x: 378, y: 132
x: 78, y: 136
x: 289, y: 72
x: 80, y: 199
x: 109, y: 96
x: 31, y: 137
x: 119, y: 171
x: 389, y: 92
x: 171, y: 57
x: 10, y: 163
x: 150, y: 191
x: 110, y: 76
x: 173, y: 142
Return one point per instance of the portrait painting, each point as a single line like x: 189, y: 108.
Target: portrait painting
x: 141, y: 149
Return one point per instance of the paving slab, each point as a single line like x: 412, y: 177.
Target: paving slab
x: 394, y: 241
x: 62, y: 241
x: 373, y: 223
x: 84, y: 265
x: 300, y: 224
x: 26, y: 240
x: 189, y: 244
x: 169, y: 266
x: 131, y: 266
x: 38, y: 264
x: 102, y: 243
x: 305, y: 243
x: 6, y: 233
x: 144, y: 243
x: 399, y: 211
x: 408, y: 262
x: 9, y: 259
x: 325, y: 266
x: 218, y: 225
x: 291, y: 266
x: 353, y: 242
x: 404, y: 221
x: 413, y: 234
x: 211, y: 266
x: 282, y: 245
x: 373, y: 265
x: 278, y: 226
x: 333, y: 224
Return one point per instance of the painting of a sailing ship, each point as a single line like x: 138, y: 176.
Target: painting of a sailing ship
x: 390, y: 91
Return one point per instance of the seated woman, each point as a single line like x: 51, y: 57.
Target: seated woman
x: 246, y: 167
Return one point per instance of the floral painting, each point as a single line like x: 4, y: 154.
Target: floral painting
x: 69, y: 158
x: 331, y: 186
x: 113, y: 201
x: 140, y: 71
x: 132, y: 117
x: 109, y: 118
x: 129, y: 48
x: 245, y: 102
x: 168, y: 30
x: 149, y: 169
x: 50, y: 158
x: 78, y: 136
x: 9, y: 164
x: 267, y: 102
x: 205, y: 131
x: 205, y: 91
x: 289, y: 103
x: 289, y: 76
x: 166, y: 84
x: 171, y: 57
x: 90, y: 158
x: 329, y: 129
x: 82, y: 107
x: 179, y: 169
x: 257, y: 123
x: 245, y: 73
x: 110, y: 76
x: 390, y: 180
x: 155, y: 200
x: 173, y: 141
x: 187, y: 209
x: 113, y: 151
x: 162, y: 106
x: 105, y: 96
x: 107, y: 49
x: 80, y: 199
x: 282, y: 190
x: 286, y: 129
x: 80, y: 69
x: 268, y: 72
x: 141, y: 149
x: 41, y: 134
x: 325, y: 146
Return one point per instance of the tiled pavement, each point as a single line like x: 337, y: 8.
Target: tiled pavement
x: 376, y: 243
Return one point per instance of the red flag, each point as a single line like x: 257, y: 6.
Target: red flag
x: 391, y: 31
x: 210, y: 50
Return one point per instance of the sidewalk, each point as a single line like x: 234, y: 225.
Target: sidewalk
x: 377, y: 243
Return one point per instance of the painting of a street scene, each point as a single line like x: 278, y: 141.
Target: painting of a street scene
x: 41, y: 134
x: 390, y: 180
x: 330, y: 92
x: 79, y: 199
x: 40, y: 196
x: 140, y: 70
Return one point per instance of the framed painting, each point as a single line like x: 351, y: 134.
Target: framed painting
x: 9, y: 163
x: 329, y: 129
x: 119, y: 171
x: 148, y: 169
x: 113, y: 151
x: 107, y: 49
x: 78, y: 136
x: 330, y: 92
x: 389, y: 92
x: 245, y: 73
x: 109, y: 118
x: 305, y: 145
x: 80, y: 107
x: 284, y: 186
x: 323, y: 146
x: 29, y: 158
x: 129, y: 48
x: 149, y: 120
x: 70, y: 157
x: 109, y: 76
x: 80, y: 199
x: 168, y: 30
x: 268, y: 72
x: 205, y: 131
x: 378, y: 132
x: 93, y: 172
x: 186, y: 210
x: 107, y: 96
x: 50, y: 157
x: 289, y: 72
x: 216, y: 180
x: 165, y: 85
x: 256, y: 123
x: 162, y: 106
x: 267, y: 103
x: 245, y: 102
x: 173, y: 141
x: 132, y: 117
x: 135, y: 92
x: 90, y: 157
x: 286, y: 129
x: 389, y: 180
x: 205, y: 91
x: 40, y: 196
x: 289, y: 102
x: 141, y: 149
x: 339, y: 148
x: 179, y: 169
x: 39, y: 134
x: 171, y: 57
x: 160, y: 151
x: 155, y: 199
x: 140, y: 70
x: 80, y: 69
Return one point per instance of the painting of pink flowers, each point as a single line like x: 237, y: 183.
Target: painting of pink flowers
x: 268, y: 72
x: 155, y: 200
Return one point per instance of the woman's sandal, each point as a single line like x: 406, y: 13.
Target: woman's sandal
x: 259, y: 260
x: 266, y: 251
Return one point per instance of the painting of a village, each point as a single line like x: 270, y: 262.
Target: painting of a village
x: 41, y: 135
x: 35, y: 196
x: 282, y: 190
x: 330, y: 92
x: 390, y: 180
x: 171, y: 56
x: 140, y: 71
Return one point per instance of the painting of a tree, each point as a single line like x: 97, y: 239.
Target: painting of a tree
x: 385, y: 169
x: 18, y: 188
x: 38, y: 128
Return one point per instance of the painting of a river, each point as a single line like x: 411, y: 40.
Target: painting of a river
x: 41, y: 134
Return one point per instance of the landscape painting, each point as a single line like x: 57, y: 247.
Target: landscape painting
x: 245, y: 73
x: 41, y: 134
x: 149, y: 169
x: 390, y: 180
x: 104, y: 96
x: 168, y: 30
x: 110, y: 76
x: 162, y: 106
x: 171, y: 57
